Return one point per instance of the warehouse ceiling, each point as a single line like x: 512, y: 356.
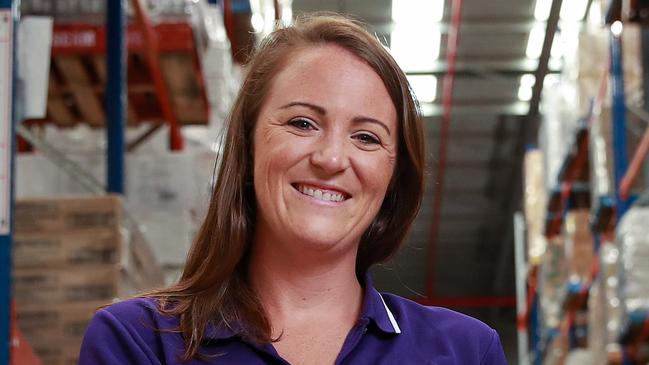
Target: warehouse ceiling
x: 471, y: 257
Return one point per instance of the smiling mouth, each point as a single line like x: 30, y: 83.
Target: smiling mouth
x: 324, y: 195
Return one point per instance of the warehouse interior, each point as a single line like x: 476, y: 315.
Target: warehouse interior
x: 537, y: 183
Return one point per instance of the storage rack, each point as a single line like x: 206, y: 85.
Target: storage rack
x: 90, y: 84
x: 8, y: 20
x: 573, y: 190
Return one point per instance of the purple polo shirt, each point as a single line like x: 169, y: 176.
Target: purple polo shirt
x: 390, y: 330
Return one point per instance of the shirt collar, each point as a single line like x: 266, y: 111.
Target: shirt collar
x: 374, y: 309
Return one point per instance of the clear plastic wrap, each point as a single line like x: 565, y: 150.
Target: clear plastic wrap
x: 633, y: 240
x: 578, y: 245
x: 557, y: 129
x: 604, y: 306
x: 535, y: 205
x: 553, y: 282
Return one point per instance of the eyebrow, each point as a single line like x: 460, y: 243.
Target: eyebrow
x: 320, y: 110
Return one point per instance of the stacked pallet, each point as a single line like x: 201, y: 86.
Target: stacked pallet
x: 68, y: 257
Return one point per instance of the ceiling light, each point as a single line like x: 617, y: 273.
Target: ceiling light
x: 410, y: 52
x: 422, y: 11
x: 287, y: 15
x: 535, y: 42
x: 573, y: 10
x: 424, y: 86
x: 257, y: 21
x: 616, y: 28
x: 595, y: 14
x: 524, y: 93
x: 542, y: 10
x: 528, y: 80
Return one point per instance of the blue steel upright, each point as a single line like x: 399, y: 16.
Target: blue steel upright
x: 115, y: 93
x: 620, y: 156
x: 6, y: 234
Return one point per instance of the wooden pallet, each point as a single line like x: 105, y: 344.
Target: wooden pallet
x: 78, y: 78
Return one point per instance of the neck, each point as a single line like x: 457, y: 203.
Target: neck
x: 295, y: 284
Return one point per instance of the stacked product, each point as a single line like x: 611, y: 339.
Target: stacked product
x: 66, y: 260
x: 605, y: 309
x: 591, y: 72
x: 553, y: 282
x: 535, y: 205
x: 578, y: 246
x: 633, y: 240
x: 72, y: 255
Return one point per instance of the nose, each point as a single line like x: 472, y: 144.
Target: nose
x: 330, y: 155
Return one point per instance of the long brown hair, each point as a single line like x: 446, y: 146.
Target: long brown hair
x: 213, y: 288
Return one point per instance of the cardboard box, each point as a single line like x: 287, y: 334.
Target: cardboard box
x: 58, y: 354
x: 56, y: 322
x: 67, y: 214
x: 66, y: 248
x: 74, y: 284
x: 55, y: 331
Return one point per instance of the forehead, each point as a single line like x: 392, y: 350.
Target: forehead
x: 333, y: 77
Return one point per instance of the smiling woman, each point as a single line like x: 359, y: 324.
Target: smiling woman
x: 321, y: 177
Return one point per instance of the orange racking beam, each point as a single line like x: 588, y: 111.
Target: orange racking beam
x: 152, y: 52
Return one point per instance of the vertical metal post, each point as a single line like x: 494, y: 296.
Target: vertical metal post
x: 8, y: 117
x: 619, y: 120
x: 521, y: 291
x: 115, y: 93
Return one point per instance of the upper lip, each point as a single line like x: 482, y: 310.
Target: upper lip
x: 321, y: 186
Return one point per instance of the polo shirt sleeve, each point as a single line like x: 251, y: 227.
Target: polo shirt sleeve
x: 495, y: 354
x: 111, y: 341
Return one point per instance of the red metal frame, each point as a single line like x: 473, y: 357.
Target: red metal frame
x: 21, y: 352
x: 635, y: 166
x: 447, y: 101
x: 152, y: 52
x: 141, y: 37
x: 79, y: 38
x: 228, y: 20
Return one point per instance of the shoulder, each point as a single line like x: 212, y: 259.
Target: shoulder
x: 132, y: 310
x: 139, y: 316
x: 127, y: 332
x: 447, y: 330
x: 433, y: 318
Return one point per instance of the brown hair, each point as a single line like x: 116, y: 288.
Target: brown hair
x: 213, y: 287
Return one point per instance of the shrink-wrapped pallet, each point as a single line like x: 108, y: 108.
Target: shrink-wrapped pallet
x: 535, y: 205
x: 578, y: 245
x: 633, y: 240
x: 557, y: 129
x: 553, y: 281
x: 604, y: 306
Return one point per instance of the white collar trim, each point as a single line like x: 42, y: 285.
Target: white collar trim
x: 393, y: 321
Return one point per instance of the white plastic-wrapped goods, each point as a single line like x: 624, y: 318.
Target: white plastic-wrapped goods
x: 604, y: 306
x: 633, y: 240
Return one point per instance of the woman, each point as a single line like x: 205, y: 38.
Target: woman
x: 321, y: 177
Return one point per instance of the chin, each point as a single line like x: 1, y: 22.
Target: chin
x: 322, y: 240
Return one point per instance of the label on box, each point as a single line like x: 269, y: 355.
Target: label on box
x: 6, y: 79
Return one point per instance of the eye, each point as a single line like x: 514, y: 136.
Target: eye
x: 366, y: 138
x: 302, y: 123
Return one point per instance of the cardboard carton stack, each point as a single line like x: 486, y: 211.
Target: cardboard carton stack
x: 66, y: 264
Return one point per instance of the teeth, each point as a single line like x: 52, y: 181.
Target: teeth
x: 320, y: 195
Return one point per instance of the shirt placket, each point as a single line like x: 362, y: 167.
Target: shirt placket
x: 352, y: 340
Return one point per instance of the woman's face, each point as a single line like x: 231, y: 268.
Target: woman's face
x: 325, y: 148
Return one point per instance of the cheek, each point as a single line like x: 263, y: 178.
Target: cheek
x: 377, y: 174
